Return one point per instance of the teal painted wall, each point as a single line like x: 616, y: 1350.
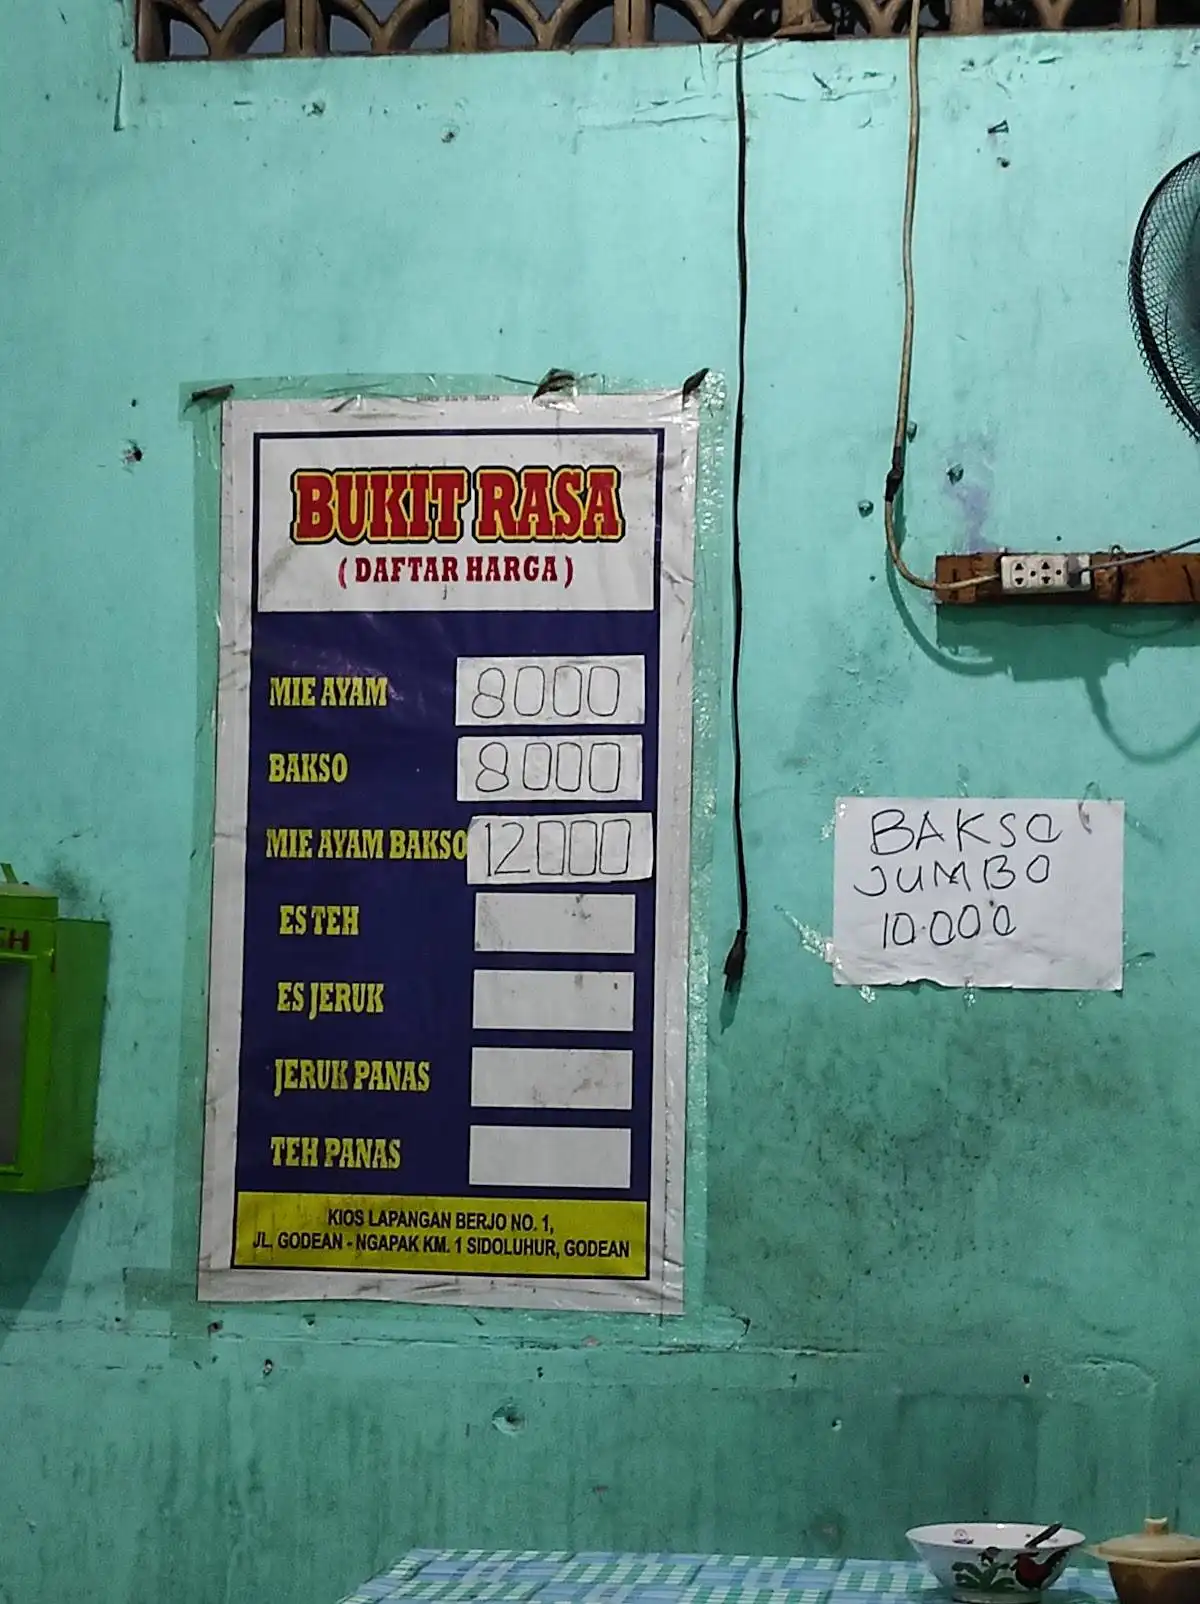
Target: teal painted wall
x: 950, y: 1240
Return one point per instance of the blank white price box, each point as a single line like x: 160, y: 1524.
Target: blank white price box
x: 551, y: 1077
x: 555, y: 1155
x: 552, y: 921
x: 552, y: 999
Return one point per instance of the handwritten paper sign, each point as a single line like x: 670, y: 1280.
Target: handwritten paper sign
x: 987, y: 892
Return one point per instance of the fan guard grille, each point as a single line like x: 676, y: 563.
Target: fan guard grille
x: 1164, y: 290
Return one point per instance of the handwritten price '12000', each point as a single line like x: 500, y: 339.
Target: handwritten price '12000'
x: 541, y: 849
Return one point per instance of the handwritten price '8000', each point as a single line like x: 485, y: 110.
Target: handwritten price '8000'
x: 516, y: 850
x: 550, y: 690
x: 555, y: 768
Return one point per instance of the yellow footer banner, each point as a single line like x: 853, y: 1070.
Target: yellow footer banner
x: 448, y: 1235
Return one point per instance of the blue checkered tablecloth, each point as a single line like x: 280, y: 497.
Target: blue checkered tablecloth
x: 504, y: 1576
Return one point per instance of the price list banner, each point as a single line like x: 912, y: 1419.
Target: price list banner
x: 450, y: 907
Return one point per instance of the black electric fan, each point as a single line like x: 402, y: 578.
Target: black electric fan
x: 1164, y: 290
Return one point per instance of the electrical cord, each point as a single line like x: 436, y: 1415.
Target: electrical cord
x: 1145, y: 556
x: 895, y: 477
x: 735, y: 958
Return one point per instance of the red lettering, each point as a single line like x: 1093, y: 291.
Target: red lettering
x: 602, y: 518
x: 474, y: 569
x: 418, y: 480
x: 395, y: 511
x: 493, y: 568
x: 531, y: 568
x: 512, y: 568
x: 312, y: 507
x: 450, y: 487
x: 351, y: 506
x: 549, y: 570
x: 535, y: 520
x: 568, y: 513
x: 431, y: 569
x: 414, y: 567
x: 381, y: 570
x: 449, y: 570
x: 495, y: 504
x: 362, y: 569
x: 380, y: 484
x: 386, y: 504
x: 397, y: 570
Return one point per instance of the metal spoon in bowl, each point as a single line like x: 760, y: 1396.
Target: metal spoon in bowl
x: 1045, y: 1536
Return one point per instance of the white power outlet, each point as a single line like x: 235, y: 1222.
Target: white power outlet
x: 1046, y: 573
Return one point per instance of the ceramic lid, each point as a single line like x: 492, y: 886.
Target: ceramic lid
x: 1156, y: 1541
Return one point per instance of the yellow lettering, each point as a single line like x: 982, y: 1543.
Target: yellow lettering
x: 289, y: 843
x: 285, y: 1075
x: 292, y: 690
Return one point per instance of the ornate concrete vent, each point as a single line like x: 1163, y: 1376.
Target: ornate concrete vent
x: 223, y: 30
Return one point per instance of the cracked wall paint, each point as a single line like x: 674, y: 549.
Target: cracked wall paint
x: 924, y: 1218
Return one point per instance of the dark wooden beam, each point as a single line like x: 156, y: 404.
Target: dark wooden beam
x: 1168, y: 581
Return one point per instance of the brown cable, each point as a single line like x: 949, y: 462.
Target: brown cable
x: 895, y: 478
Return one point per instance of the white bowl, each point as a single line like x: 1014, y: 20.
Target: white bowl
x: 984, y: 1561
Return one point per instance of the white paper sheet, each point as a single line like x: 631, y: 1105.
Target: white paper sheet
x: 582, y: 727
x: 551, y: 921
x: 550, y: 768
x: 985, y: 892
x: 495, y: 691
x: 545, y: 849
x: 551, y: 1077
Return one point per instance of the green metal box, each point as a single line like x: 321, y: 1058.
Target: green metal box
x: 52, y: 984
